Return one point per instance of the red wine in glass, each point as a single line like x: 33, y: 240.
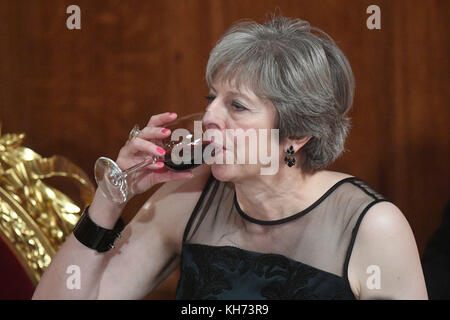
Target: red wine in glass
x: 190, y: 164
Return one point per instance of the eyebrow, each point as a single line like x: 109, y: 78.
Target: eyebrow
x: 237, y: 93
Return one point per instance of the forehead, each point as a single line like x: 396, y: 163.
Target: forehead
x: 235, y: 88
x: 240, y: 77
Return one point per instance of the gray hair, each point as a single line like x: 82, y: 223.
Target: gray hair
x: 301, y: 71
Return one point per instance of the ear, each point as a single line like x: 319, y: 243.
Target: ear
x: 297, y: 143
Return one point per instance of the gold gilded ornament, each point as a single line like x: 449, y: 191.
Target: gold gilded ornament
x: 36, y: 218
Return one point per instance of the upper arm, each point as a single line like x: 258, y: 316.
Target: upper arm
x: 385, y: 262
x: 149, y: 248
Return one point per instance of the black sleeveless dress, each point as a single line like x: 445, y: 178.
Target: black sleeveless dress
x: 307, y: 256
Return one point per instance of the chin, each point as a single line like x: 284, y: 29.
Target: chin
x: 232, y: 172
x: 223, y: 172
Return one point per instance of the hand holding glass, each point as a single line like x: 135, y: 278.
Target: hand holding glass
x: 115, y: 183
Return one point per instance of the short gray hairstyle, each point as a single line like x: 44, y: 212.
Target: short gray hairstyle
x: 304, y: 74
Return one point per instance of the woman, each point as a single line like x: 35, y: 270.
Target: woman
x: 303, y: 232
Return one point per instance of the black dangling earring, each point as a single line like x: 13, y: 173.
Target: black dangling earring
x: 290, y: 160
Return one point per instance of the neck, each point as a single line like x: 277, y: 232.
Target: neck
x: 277, y: 196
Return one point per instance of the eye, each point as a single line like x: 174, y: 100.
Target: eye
x: 210, y: 98
x: 238, y: 106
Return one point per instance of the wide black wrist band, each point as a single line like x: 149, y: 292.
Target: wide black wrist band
x: 94, y: 236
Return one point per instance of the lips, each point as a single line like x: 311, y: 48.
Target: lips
x: 218, y: 148
x: 216, y: 138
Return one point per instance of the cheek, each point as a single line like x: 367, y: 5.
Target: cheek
x: 264, y: 143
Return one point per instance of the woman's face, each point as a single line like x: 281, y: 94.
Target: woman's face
x: 234, y: 114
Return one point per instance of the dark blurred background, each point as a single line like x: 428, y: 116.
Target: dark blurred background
x: 77, y: 93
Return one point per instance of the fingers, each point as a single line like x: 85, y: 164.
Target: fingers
x: 149, y: 133
x: 159, y: 120
x: 138, y: 145
x: 155, y: 126
x: 156, y: 166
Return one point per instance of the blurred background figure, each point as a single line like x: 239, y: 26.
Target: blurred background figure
x: 436, y: 260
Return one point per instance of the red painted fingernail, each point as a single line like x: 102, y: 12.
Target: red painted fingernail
x: 165, y: 130
x: 161, y: 150
x: 172, y: 114
x: 159, y: 163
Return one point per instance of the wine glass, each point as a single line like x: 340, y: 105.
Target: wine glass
x: 180, y: 155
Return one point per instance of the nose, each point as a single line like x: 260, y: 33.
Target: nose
x: 214, y: 121
x: 213, y: 117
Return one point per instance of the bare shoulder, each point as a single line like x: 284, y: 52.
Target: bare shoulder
x: 172, y: 204
x: 386, y: 224
x: 384, y: 217
x: 385, y: 240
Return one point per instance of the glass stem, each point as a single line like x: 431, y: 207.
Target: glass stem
x: 146, y: 162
